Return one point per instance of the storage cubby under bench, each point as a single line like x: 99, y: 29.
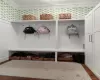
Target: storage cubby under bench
x: 78, y: 57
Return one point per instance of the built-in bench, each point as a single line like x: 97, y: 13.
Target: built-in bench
x: 48, y: 56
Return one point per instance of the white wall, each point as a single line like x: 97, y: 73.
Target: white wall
x: 33, y: 40
x: 74, y: 42
x: 7, y: 39
x: 49, y: 40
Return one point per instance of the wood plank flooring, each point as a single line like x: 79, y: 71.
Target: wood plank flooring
x: 18, y: 78
x: 91, y: 74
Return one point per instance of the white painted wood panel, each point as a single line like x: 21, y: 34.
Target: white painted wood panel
x: 89, y: 41
x: 57, y: 40
x: 89, y: 23
x: 74, y: 42
x: 89, y: 56
x: 42, y: 41
x: 97, y: 51
x: 97, y: 19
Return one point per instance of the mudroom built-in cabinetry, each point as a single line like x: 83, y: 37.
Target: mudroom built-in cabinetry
x: 89, y: 39
x: 97, y: 38
x: 58, y: 40
x: 92, y: 40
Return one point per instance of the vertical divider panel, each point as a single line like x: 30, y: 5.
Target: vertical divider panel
x: 56, y: 41
x: 93, y: 38
x: 56, y: 55
x: 57, y: 35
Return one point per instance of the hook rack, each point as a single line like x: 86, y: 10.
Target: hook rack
x: 72, y: 30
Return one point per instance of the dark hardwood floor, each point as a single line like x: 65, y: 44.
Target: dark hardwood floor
x: 91, y: 74
x: 18, y: 78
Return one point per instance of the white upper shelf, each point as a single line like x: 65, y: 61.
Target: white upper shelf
x: 60, y: 20
x: 27, y: 21
x: 32, y: 49
x: 46, y: 49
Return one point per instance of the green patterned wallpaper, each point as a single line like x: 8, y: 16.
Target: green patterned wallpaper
x: 10, y: 13
x: 77, y: 12
x: 7, y: 12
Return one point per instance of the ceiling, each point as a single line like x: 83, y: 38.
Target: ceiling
x: 53, y: 2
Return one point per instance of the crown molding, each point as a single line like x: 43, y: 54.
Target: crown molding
x: 59, y: 6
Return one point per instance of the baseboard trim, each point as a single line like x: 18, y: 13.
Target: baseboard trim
x: 4, y: 21
x: 3, y: 60
x: 98, y: 75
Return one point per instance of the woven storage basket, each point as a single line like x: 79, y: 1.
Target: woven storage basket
x: 46, y: 17
x: 14, y: 58
x: 29, y: 17
x: 65, y: 16
x: 37, y: 59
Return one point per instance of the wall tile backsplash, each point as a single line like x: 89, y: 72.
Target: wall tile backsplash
x: 10, y: 13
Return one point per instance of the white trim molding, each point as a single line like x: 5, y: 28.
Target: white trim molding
x: 3, y: 59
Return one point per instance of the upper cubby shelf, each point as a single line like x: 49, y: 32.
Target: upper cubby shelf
x: 61, y: 20
x: 27, y: 21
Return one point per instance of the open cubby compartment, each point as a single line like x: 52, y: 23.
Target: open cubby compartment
x: 32, y: 55
x: 74, y: 42
x: 78, y: 57
x: 65, y: 56
x: 37, y: 41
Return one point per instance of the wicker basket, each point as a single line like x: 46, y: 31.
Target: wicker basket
x: 37, y: 59
x: 49, y: 59
x: 46, y: 17
x: 65, y: 16
x: 28, y: 17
